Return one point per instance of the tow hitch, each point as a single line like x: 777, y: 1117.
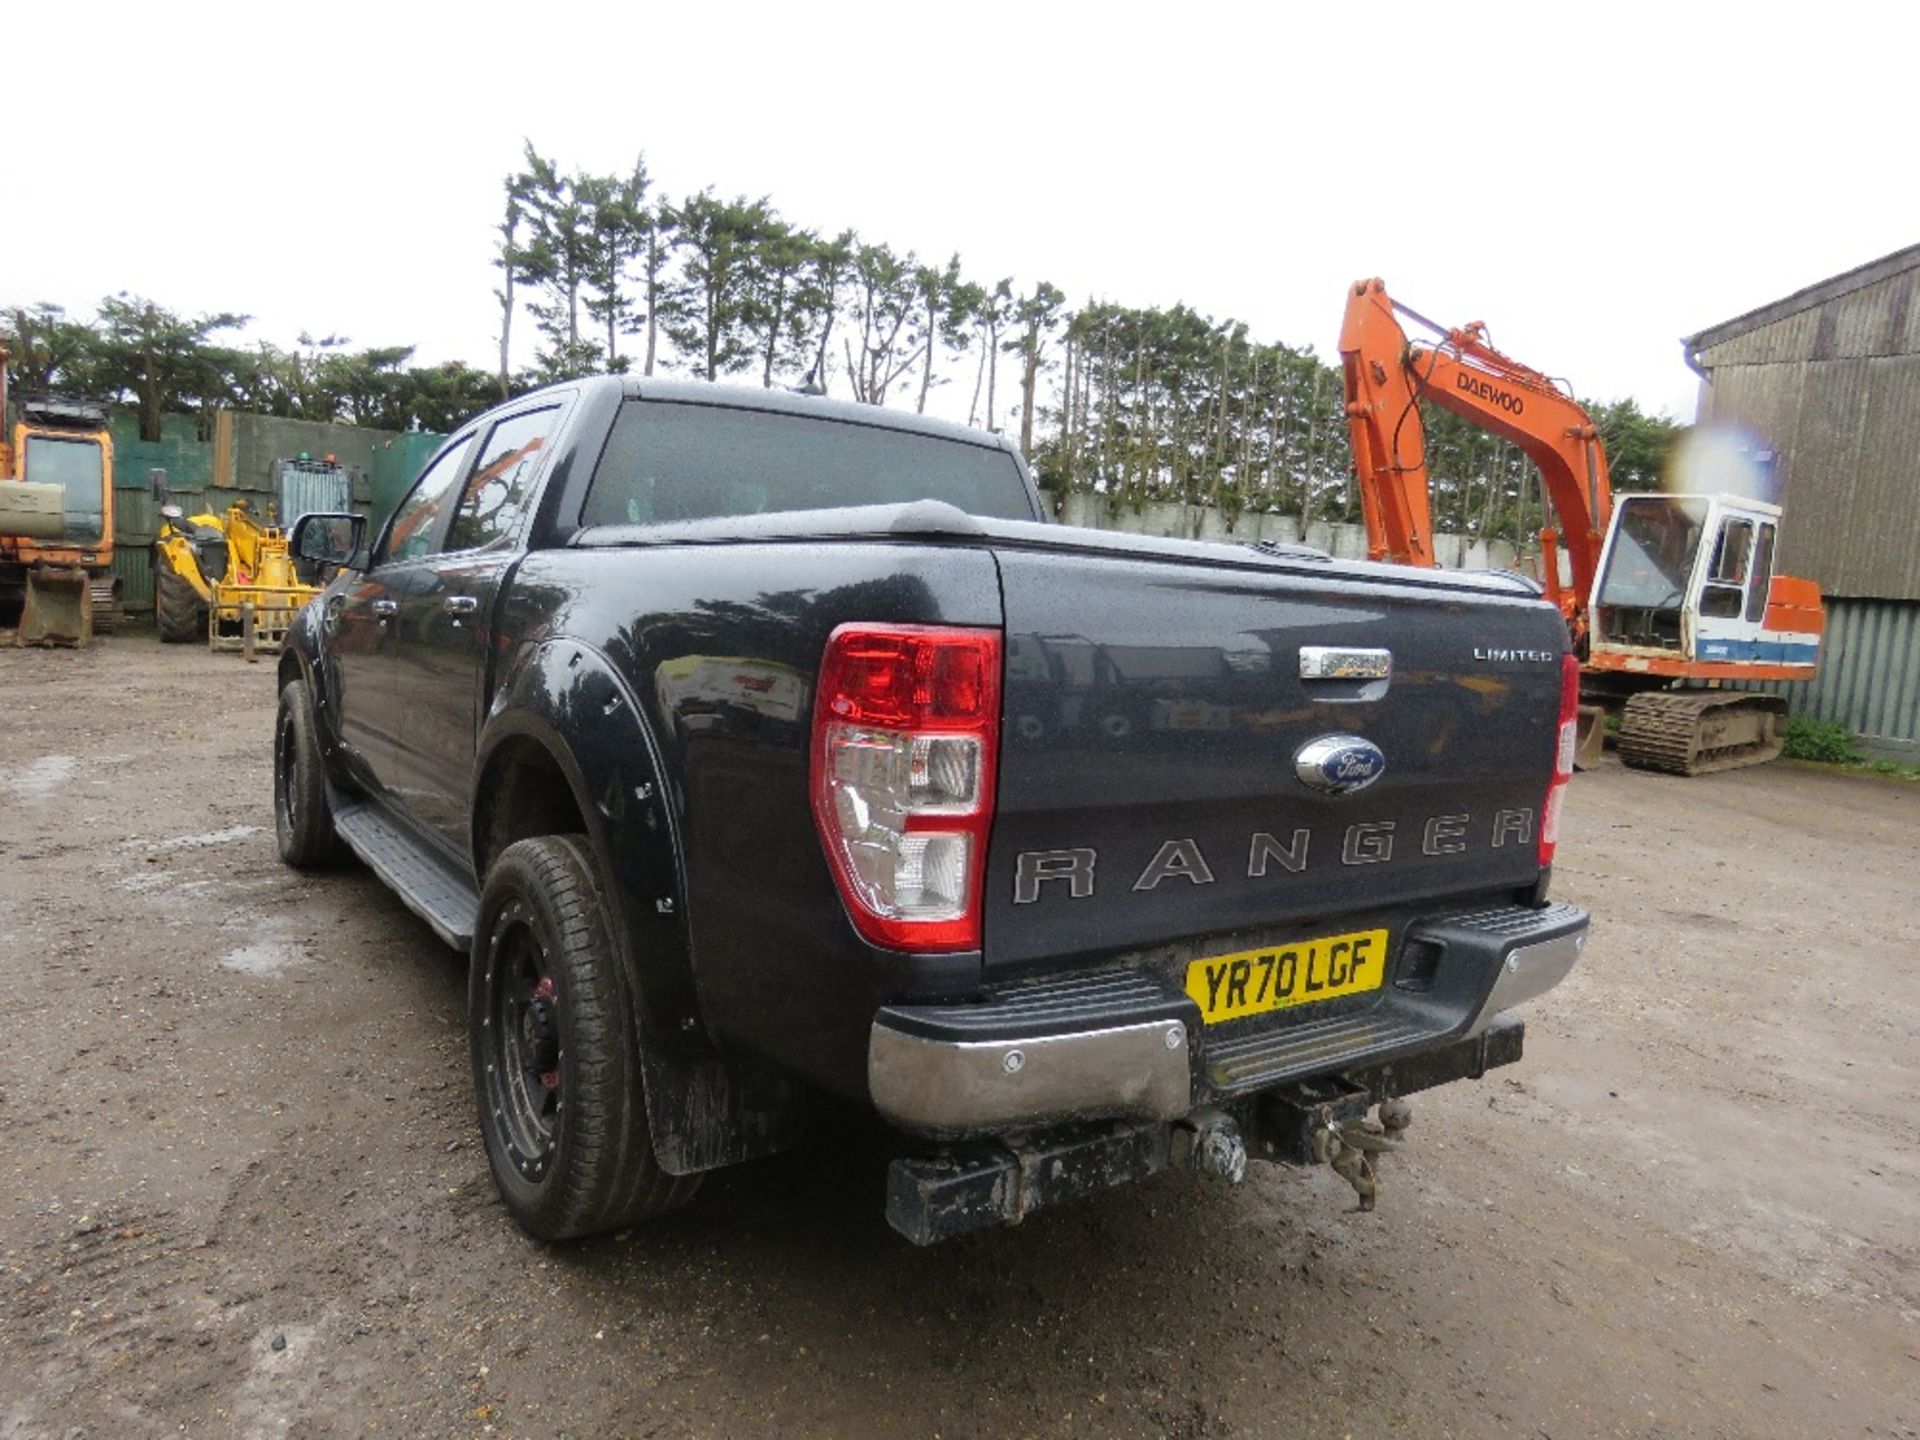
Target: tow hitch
x: 1325, y: 1120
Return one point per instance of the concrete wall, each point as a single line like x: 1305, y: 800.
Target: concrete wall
x: 245, y: 447
x: 1204, y: 522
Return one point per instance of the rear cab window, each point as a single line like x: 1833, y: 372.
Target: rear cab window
x: 668, y: 462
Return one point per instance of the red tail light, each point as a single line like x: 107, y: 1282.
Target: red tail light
x: 906, y: 730
x: 1566, y: 744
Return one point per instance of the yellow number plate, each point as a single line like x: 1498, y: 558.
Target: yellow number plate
x: 1228, y: 987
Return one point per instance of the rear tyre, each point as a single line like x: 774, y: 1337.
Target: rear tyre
x: 556, y: 1060
x: 302, y: 818
x: 176, y: 607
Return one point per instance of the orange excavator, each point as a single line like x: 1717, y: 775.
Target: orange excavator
x: 56, y: 521
x: 1667, y: 596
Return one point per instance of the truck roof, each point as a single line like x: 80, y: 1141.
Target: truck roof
x: 787, y: 402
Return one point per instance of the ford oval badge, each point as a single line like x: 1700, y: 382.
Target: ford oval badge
x: 1339, y: 764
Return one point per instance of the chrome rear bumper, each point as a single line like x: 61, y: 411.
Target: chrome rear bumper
x: 1529, y: 972
x: 1129, y: 1045
x: 1135, y: 1072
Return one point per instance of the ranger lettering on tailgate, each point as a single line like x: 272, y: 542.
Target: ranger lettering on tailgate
x: 1368, y: 842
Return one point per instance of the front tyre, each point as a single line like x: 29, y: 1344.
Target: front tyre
x: 176, y: 604
x: 556, y: 1060
x: 302, y: 818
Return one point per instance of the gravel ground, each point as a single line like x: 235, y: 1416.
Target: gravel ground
x: 241, y: 1192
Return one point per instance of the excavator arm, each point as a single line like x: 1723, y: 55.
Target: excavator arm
x: 1387, y: 375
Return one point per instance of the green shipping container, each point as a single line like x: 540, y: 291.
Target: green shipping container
x: 397, y: 463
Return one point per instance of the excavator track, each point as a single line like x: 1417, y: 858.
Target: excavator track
x: 1694, y: 732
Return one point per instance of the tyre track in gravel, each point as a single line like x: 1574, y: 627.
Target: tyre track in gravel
x: 242, y: 1194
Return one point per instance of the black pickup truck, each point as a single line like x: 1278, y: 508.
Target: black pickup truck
x: 757, y: 746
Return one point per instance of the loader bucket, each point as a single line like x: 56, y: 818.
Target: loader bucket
x: 59, y: 608
x: 1590, y: 737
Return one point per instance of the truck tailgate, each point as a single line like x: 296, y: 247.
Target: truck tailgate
x: 1155, y: 709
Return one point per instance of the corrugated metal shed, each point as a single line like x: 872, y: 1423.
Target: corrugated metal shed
x: 1829, y: 379
x: 1800, y: 338
x: 1869, y: 677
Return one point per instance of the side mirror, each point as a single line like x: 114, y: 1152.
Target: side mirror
x: 328, y: 540
x: 172, y: 514
x: 157, y: 483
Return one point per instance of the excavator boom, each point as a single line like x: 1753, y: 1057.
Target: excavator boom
x: 1386, y: 378
x: 1685, y: 591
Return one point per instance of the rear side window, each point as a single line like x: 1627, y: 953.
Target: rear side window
x: 496, y: 493
x: 668, y: 462
x: 1730, y: 559
x: 1762, y: 575
x: 1724, y: 595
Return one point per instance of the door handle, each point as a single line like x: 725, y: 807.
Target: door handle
x: 1344, y: 662
x: 460, y: 605
x: 1344, y: 673
x: 384, y: 608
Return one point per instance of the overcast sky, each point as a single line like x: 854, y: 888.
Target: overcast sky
x: 1594, y: 181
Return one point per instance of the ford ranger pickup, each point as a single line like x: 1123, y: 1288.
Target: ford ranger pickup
x: 757, y: 747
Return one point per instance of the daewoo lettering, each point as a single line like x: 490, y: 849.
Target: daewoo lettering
x: 1491, y: 393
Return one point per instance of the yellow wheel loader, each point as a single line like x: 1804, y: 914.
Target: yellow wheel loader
x: 228, y: 577
x: 189, y: 557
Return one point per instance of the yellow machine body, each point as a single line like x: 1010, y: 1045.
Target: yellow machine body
x: 61, y: 572
x: 253, y: 600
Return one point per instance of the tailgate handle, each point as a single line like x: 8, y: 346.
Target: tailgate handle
x: 1340, y: 662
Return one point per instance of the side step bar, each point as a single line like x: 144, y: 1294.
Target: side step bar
x: 435, y: 890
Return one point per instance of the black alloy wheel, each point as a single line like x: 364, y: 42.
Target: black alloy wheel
x: 302, y: 818
x: 521, y: 1083
x: 556, y: 1052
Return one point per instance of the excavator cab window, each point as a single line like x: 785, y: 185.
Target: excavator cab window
x: 1762, y: 577
x: 1649, y: 568
x: 1725, y: 593
x: 77, y: 466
